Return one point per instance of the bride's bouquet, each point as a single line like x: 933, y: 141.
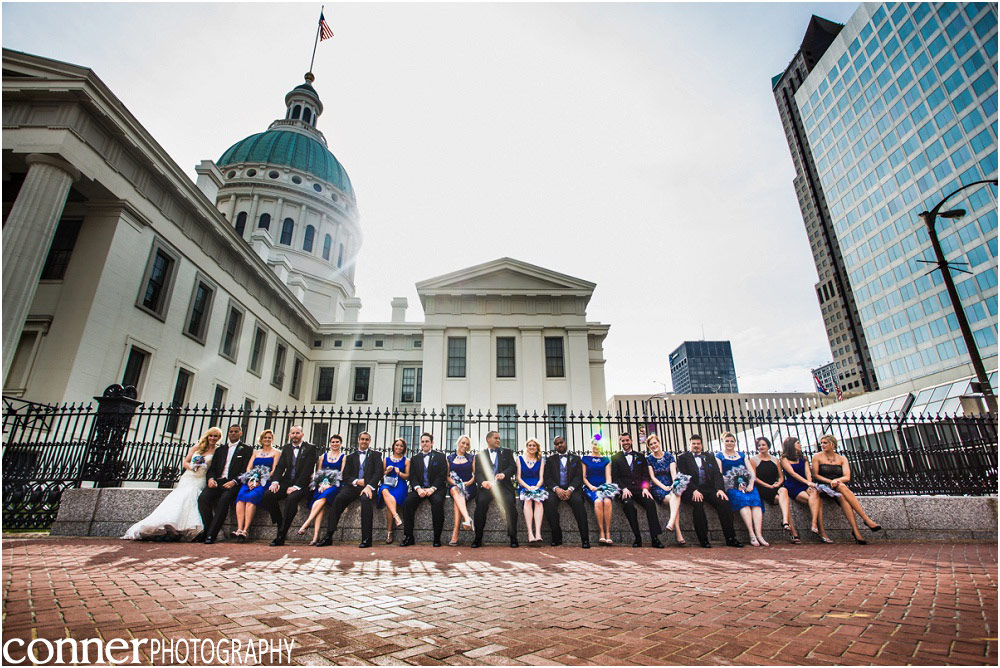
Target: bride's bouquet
x: 608, y: 490
x: 680, y: 484
x: 255, y: 477
x: 324, y: 479
x: 198, y: 463
x: 737, y: 477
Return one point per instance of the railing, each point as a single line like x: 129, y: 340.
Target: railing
x: 50, y: 448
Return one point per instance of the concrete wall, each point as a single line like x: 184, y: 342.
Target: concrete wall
x: 109, y: 512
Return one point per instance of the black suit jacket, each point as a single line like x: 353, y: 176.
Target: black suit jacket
x: 374, y: 469
x: 505, y: 465
x: 438, y: 470
x: 305, y: 464
x: 574, y: 469
x: 236, y: 468
x: 636, y: 477
x: 712, y: 476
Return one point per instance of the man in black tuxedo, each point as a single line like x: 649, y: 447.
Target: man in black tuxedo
x: 363, y: 470
x: 706, y: 486
x: 290, y: 482
x: 228, y: 463
x: 495, y: 471
x: 564, y: 480
x: 630, y: 472
x: 428, y: 473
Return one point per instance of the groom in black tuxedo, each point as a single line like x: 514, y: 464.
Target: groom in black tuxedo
x: 495, y: 472
x: 706, y: 486
x: 363, y: 470
x: 290, y: 482
x: 428, y: 473
x: 630, y: 472
x: 564, y: 480
x: 228, y: 463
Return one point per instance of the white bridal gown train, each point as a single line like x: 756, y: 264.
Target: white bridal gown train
x: 178, y: 513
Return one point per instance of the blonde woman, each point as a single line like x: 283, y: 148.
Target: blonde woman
x: 532, y: 493
x: 461, y: 484
x: 265, y: 457
x: 597, y: 481
x: 833, y: 469
x: 662, y: 473
x: 177, y: 515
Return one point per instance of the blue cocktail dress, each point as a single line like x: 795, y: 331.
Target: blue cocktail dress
x: 464, y: 472
x: 661, y: 468
x: 793, y: 486
x: 399, y: 491
x: 738, y: 499
x: 254, y: 495
x: 594, y: 468
x: 331, y: 491
x: 529, y: 475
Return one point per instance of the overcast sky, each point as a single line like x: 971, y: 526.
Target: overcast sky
x: 635, y: 146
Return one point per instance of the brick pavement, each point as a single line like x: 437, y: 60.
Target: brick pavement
x: 887, y: 603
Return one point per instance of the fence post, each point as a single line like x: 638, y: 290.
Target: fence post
x: 106, y: 443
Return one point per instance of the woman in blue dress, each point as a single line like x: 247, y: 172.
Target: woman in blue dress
x: 800, y: 485
x: 529, y: 479
x: 332, y: 460
x: 392, y: 492
x: 662, y: 472
x: 743, y: 498
x: 252, y: 491
x: 597, y: 472
x: 461, y: 469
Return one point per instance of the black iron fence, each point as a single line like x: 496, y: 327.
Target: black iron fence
x: 49, y: 448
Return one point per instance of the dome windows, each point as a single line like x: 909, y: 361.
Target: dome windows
x: 296, y: 112
x: 241, y: 222
x: 327, y: 244
x: 307, y: 242
x: 251, y: 172
x: 264, y: 222
x: 307, y: 115
x: 231, y: 174
x: 334, y: 197
x: 287, y: 228
x: 340, y: 256
x: 273, y: 174
x: 317, y: 187
x: 297, y: 180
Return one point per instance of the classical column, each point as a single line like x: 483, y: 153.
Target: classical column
x: 578, y: 366
x: 27, y: 236
x: 532, y: 368
x: 479, y: 370
x: 434, y: 361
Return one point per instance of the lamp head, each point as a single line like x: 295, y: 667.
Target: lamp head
x: 954, y: 213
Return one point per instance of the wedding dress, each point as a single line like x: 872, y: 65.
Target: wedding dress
x: 178, y: 514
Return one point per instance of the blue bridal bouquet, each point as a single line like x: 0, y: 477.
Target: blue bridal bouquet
x: 455, y: 478
x: 680, y: 483
x: 826, y: 489
x: 324, y: 479
x: 608, y: 490
x: 256, y: 477
x: 198, y: 463
x: 539, y: 494
x: 737, y: 477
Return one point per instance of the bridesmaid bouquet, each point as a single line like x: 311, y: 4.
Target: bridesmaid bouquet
x: 455, y: 478
x: 608, y: 490
x: 826, y: 489
x: 539, y: 494
x: 255, y: 477
x: 680, y: 483
x: 198, y: 463
x: 324, y: 479
x: 737, y: 477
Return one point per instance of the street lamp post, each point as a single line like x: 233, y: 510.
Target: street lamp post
x: 930, y: 218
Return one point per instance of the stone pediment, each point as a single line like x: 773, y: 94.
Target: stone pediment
x: 505, y: 276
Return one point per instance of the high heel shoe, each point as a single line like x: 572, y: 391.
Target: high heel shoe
x: 301, y: 532
x: 876, y: 528
x: 860, y: 541
x: 467, y: 526
x: 397, y: 519
x: 389, y: 537
x: 826, y: 539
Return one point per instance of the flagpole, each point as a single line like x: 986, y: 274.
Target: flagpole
x: 316, y: 41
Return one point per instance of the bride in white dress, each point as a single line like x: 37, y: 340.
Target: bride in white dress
x: 177, y: 515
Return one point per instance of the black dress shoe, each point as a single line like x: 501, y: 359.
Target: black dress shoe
x: 406, y: 542
x: 636, y: 543
x: 476, y: 543
x: 706, y: 544
x: 437, y: 542
x: 514, y: 543
x: 585, y: 544
x: 656, y: 543
x: 556, y: 543
x: 200, y: 538
x: 326, y: 542
x: 365, y: 543
x: 277, y: 542
x: 732, y: 542
x: 209, y: 540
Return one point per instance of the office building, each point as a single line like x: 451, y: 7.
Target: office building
x: 826, y: 376
x: 703, y: 367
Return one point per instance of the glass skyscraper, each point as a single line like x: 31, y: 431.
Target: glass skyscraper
x: 703, y: 367
x: 899, y: 111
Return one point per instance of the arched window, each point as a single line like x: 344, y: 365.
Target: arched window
x: 296, y: 110
x: 306, y: 114
x: 241, y: 222
x: 340, y: 256
x: 327, y: 244
x: 307, y: 243
x: 287, y: 228
x: 264, y: 222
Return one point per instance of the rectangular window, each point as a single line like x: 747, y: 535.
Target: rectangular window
x: 157, y: 281
x: 456, y: 357
x: 19, y: 373
x: 456, y: 423
x: 180, y: 396
x: 231, y: 333
x: 557, y: 421
x: 297, y: 364
x: 410, y: 389
x: 257, y: 350
x: 200, y: 310
x: 278, y: 372
x: 507, y: 425
x: 245, y: 417
x: 324, y: 383
x: 61, y: 250
x: 362, y: 382
x: 134, y: 367
x: 218, y: 401
x: 555, y: 366
x: 505, y: 357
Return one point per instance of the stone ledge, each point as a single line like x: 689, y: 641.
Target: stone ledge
x: 110, y: 511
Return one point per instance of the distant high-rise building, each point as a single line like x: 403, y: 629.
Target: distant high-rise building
x: 703, y: 367
x: 827, y: 377
x: 899, y: 111
x: 840, y: 314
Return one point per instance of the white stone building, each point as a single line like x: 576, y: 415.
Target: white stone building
x: 239, y: 290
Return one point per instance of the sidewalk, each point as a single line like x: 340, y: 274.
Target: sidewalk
x: 884, y: 603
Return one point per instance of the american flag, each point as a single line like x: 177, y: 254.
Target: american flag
x: 840, y: 394
x: 324, y: 30
x: 819, y: 385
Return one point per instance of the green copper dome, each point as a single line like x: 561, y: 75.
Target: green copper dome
x: 292, y: 149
